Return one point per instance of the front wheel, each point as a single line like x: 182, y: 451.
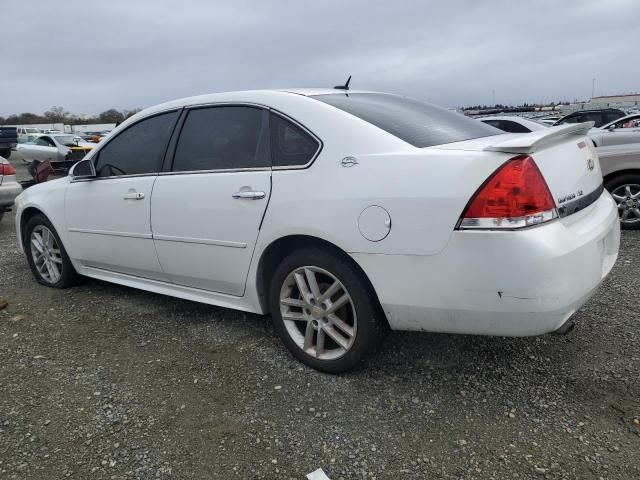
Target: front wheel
x: 625, y: 190
x: 46, y: 255
x: 324, y: 311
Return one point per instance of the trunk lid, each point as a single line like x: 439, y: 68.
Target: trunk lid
x: 564, y: 155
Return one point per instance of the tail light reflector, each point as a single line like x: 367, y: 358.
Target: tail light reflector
x: 514, y: 196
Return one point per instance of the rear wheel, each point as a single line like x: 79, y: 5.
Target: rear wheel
x: 5, y: 152
x: 625, y: 190
x: 46, y: 255
x: 324, y: 312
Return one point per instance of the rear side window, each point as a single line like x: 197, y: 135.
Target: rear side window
x: 611, y: 116
x: 216, y: 138
x: 290, y: 144
x: 137, y: 150
x: 417, y: 123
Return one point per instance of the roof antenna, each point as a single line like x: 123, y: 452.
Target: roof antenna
x: 345, y: 86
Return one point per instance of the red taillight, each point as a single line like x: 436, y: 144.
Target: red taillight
x: 515, y: 196
x: 7, y: 169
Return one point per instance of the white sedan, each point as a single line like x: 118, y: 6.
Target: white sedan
x: 339, y: 213
x: 622, y: 131
x: 55, y: 148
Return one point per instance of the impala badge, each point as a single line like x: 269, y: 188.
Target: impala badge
x: 591, y: 164
x: 348, y: 162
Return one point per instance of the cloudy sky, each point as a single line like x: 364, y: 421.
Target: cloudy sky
x: 90, y: 56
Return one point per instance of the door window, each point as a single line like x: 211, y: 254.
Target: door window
x: 137, y: 150
x: 228, y: 137
x: 290, y: 144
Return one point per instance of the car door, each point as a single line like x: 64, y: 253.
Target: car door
x: 108, y: 218
x: 624, y: 131
x: 206, y: 211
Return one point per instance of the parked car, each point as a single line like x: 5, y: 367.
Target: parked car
x: 513, y: 124
x: 9, y: 187
x: 340, y: 213
x: 8, y: 140
x: 621, y: 131
x: 598, y: 117
x: 62, y: 150
x: 621, y: 169
x: 548, y: 120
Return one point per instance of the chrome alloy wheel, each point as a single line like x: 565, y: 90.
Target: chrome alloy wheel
x: 46, y: 254
x: 318, y: 313
x: 628, y: 199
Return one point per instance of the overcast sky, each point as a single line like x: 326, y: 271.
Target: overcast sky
x: 90, y: 56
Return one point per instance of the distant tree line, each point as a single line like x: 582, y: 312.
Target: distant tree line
x: 524, y: 105
x: 60, y: 115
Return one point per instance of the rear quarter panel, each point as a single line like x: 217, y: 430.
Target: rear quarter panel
x: 424, y: 191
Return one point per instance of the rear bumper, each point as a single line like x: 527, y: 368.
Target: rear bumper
x: 518, y: 283
x: 9, y: 190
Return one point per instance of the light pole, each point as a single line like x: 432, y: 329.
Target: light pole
x: 593, y: 87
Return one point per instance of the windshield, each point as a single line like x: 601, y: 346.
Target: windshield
x: 418, y: 123
x: 68, y: 140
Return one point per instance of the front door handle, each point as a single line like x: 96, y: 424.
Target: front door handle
x: 250, y: 195
x: 133, y: 196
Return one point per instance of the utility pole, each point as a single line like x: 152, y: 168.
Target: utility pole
x: 593, y: 86
x: 493, y: 98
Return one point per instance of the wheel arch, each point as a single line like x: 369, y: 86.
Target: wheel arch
x: 27, y: 214
x: 277, y: 250
x: 629, y: 171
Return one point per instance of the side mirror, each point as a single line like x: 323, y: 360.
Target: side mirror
x: 83, y: 169
x: 611, y: 128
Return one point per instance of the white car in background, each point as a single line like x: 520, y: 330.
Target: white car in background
x: 9, y: 186
x: 55, y: 148
x: 619, y: 132
x: 337, y: 212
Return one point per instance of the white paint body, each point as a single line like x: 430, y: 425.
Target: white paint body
x: 189, y: 238
x: 622, y: 131
x: 32, y: 151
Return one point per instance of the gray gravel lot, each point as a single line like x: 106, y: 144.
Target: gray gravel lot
x: 103, y: 381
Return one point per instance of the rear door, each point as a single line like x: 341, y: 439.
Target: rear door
x: 207, y: 208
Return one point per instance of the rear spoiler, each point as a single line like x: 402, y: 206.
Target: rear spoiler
x: 530, y: 142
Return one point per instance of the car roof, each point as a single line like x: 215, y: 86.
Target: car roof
x: 593, y: 110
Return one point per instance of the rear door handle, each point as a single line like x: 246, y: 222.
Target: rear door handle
x: 133, y: 196
x: 250, y: 195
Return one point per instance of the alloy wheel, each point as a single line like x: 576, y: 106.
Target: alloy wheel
x: 46, y: 254
x: 628, y: 199
x: 318, y: 313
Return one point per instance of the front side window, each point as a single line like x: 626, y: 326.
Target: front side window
x: 225, y: 137
x: 137, y: 150
x: 290, y: 144
x: 417, y: 123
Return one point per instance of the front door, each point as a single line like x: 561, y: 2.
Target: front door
x: 206, y: 212
x: 108, y: 218
x: 624, y: 131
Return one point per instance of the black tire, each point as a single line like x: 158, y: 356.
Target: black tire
x: 68, y: 275
x: 617, y: 185
x: 5, y: 152
x: 370, y: 325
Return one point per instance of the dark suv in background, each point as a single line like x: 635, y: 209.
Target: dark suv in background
x: 600, y: 117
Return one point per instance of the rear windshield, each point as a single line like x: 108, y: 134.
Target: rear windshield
x: 420, y: 124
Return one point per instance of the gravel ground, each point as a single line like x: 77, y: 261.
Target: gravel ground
x: 103, y: 381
